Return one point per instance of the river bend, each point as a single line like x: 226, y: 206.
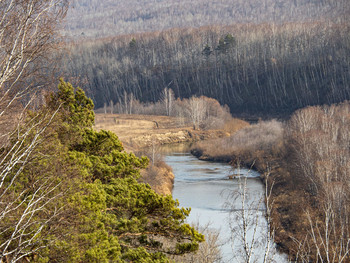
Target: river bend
x: 215, y: 199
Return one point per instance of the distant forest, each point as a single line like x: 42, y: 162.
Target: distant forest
x: 96, y: 18
x: 253, y: 68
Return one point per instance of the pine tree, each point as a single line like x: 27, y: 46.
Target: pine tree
x: 100, y: 213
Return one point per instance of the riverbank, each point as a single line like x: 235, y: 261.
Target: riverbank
x: 143, y: 134
x: 258, y: 147
x: 302, y: 163
x: 283, y: 197
x: 140, y: 131
x: 261, y: 147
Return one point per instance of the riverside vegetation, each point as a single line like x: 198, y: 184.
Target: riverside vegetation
x: 306, y: 164
x: 193, y: 119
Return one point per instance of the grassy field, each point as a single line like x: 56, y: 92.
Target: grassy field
x: 137, y: 131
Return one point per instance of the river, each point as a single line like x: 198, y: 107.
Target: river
x: 216, y: 200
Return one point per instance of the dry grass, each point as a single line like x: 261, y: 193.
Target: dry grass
x: 138, y: 130
x: 160, y: 177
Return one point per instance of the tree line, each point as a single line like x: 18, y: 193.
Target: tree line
x: 134, y: 16
x: 200, y: 112
x: 261, y: 68
x: 317, y: 140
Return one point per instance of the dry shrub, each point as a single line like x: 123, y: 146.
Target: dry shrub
x: 209, y: 251
x: 253, y: 141
x: 148, y: 108
x: 311, y: 207
x: 234, y: 125
x: 258, y: 137
x: 159, y: 175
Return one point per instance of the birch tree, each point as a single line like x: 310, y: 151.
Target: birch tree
x: 27, y: 35
x: 196, y: 109
x: 167, y: 99
x: 252, y: 233
x: 23, y: 203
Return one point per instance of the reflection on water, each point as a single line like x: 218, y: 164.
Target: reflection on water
x: 206, y: 187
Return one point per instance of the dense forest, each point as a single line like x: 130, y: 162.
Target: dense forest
x: 253, y: 68
x: 92, y: 18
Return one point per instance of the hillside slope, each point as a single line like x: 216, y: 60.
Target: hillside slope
x: 107, y: 17
x: 262, y: 68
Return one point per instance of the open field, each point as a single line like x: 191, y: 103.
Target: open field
x: 142, y: 134
x: 137, y: 131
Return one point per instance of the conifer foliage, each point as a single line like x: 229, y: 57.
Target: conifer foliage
x: 93, y: 209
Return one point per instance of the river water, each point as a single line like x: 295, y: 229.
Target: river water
x: 216, y: 200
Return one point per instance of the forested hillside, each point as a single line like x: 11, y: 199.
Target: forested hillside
x: 96, y: 18
x: 253, y: 68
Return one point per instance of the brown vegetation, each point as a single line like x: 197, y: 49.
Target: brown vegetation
x: 261, y: 140
x: 202, y: 113
x: 308, y: 164
x: 317, y: 141
x: 160, y: 177
x: 139, y: 131
x: 105, y: 17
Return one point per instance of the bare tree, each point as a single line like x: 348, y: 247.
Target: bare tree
x: 20, y: 224
x: 131, y: 102
x: 154, y: 152
x: 27, y: 35
x: 319, y: 139
x: 167, y: 99
x: 327, y: 240
x: 196, y: 110
x: 27, y: 29
x: 209, y: 251
x: 111, y: 105
x: 252, y: 232
x: 126, y: 103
